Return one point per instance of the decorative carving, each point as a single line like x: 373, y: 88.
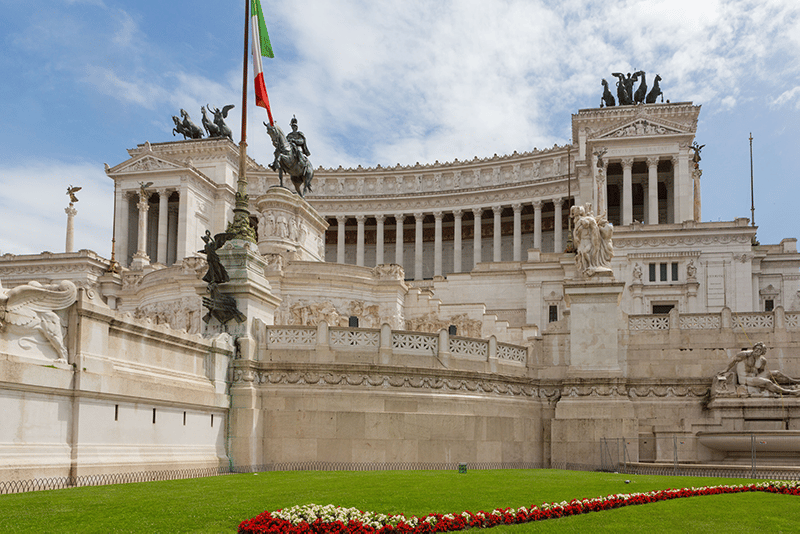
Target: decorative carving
x: 183, y: 314
x: 389, y: 271
x: 30, y: 309
x: 431, y: 322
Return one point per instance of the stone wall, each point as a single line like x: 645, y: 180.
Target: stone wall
x: 133, y: 396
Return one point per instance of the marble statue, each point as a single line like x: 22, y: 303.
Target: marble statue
x: 30, y: 309
x: 691, y: 271
x: 291, y: 158
x: 637, y: 274
x: 592, y: 237
x: 747, y: 374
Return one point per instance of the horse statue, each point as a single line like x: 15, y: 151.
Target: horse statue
x: 641, y: 92
x: 211, y: 129
x: 607, y: 98
x: 289, y: 159
x: 655, y: 91
x: 188, y: 128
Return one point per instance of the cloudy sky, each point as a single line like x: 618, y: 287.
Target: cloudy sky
x: 384, y: 82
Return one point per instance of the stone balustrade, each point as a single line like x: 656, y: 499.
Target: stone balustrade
x: 777, y: 319
x: 394, y: 343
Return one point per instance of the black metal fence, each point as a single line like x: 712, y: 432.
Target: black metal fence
x: 609, y: 464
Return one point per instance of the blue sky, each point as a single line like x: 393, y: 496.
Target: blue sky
x: 383, y: 83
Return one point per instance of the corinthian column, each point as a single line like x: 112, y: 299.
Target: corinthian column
x: 71, y: 212
x: 163, y: 216
x: 652, y: 190
x: 418, y: 218
x: 457, y: 241
x: 141, y: 259
x: 360, y: 240
x: 398, y: 245
x: 379, y: 239
x: 476, y: 240
x: 627, y: 192
x: 437, y: 245
x: 557, y: 226
x: 537, y: 224
x: 340, y: 220
x: 517, y: 231
x: 497, y: 252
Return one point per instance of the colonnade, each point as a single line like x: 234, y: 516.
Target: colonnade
x: 144, y: 234
x: 459, y: 228
x: 674, y: 184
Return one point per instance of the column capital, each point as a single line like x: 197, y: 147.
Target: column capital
x: 477, y: 211
x: 399, y: 217
x: 652, y: 161
x: 380, y: 218
x: 361, y: 218
x: 627, y: 163
x: 517, y: 207
x: 537, y: 204
x: 675, y: 160
x: 143, y: 204
x: 71, y: 211
x: 341, y: 219
x: 437, y: 215
x: 497, y: 210
x: 458, y: 213
x: 558, y: 202
x: 419, y: 216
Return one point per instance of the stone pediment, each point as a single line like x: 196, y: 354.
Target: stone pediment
x: 640, y: 128
x: 144, y: 164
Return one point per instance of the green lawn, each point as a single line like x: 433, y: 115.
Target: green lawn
x: 219, y: 504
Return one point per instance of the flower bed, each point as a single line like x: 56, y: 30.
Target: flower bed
x: 330, y: 519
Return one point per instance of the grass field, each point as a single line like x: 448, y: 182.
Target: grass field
x: 219, y: 504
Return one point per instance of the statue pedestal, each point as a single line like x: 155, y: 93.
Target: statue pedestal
x: 250, y: 288
x: 288, y: 225
x: 595, y: 321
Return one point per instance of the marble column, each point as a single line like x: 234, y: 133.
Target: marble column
x: 163, y: 215
x: 121, y: 222
x: 696, y: 174
x: 70, y: 242
x: 673, y: 189
x: 602, y: 188
x: 379, y: 239
x: 183, y: 222
x: 360, y: 240
x: 627, y: 192
x: 398, y: 245
x: 497, y: 252
x: 172, y: 234
x: 437, y: 245
x: 418, y: 218
x: 457, y: 240
x: 652, y: 190
x: 537, y: 224
x: 141, y: 259
x: 517, y: 231
x: 558, y: 222
x: 340, y: 220
x: 476, y: 241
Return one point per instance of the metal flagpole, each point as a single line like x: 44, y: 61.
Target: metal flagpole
x: 240, y: 226
x: 752, y: 203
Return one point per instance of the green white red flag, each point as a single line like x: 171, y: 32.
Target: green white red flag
x: 261, y: 47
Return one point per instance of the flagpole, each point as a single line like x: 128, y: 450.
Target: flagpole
x: 240, y: 226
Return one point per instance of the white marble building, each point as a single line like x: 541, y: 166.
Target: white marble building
x: 435, y: 297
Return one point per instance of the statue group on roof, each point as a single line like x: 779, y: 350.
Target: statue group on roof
x: 625, y: 92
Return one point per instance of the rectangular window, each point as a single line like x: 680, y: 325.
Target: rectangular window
x: 769, y: 305
x: 652, y: 272
x: 553, y: 313
x: 674, y: 271
x: 663, y: 272
x: 662, y: 309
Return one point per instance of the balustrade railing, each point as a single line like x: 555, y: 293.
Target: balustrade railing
x: 287, y: 337
x: 726, y: 319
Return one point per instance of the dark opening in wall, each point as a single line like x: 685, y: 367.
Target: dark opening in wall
x: 154, y: 416
x: 184, y: 418
x: 116, y: 412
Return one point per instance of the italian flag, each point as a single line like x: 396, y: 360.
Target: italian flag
x: 261, y: 47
